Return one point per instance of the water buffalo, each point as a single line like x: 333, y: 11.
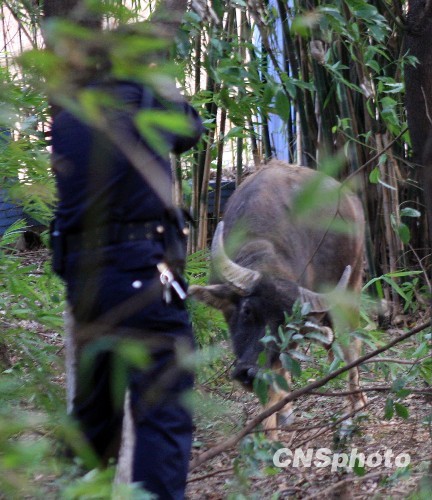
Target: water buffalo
x: 271, y: 249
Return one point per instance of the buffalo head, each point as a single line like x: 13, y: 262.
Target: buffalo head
x: 254, y: 301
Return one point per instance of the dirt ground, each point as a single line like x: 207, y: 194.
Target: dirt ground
x: 247, y: 470
x: 229, y: 475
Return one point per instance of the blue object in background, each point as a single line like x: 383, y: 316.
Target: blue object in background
x: 277, y: 127
x: 9, y: 213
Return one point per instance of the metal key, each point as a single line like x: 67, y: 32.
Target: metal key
x: 164, y: 279
x: 168, y: 280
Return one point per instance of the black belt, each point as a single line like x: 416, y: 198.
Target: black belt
x: 114, y: 233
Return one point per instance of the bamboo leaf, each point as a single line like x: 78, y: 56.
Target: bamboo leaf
x: 282, y: 105
x: 395, y: 286
x: 404, y: 233
x: 410, y: 212
x: 374, y: 176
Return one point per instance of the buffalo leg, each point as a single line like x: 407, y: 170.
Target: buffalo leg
x: 284, y: 417
x: 357, y: 400
x: 345, y: 318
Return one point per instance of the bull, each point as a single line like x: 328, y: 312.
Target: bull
x: 266, y: 255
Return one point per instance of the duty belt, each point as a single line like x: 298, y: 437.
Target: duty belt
x: 115, y: 233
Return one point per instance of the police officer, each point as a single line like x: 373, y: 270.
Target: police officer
x: 119, y: 245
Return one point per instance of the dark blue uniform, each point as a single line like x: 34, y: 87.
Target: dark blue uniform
x: 114, y: 230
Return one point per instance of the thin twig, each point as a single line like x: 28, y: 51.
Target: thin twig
x: 335, y: 486
x: 399, y: 361
x: 333, y: 425
x: 20, y: 24
x: 374, y: 158
x: 218, y: 374
x: 210, y: 474
x: 420, y: 263
x: 369, y: 389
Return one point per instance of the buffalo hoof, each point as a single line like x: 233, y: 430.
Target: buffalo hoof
x: 245, y: 375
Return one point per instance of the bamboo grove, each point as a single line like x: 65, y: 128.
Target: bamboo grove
x: 334, y: 73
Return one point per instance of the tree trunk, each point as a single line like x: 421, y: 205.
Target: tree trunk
x: 418, y: 82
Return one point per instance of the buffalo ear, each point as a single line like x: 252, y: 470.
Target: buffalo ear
x: 217, y: 296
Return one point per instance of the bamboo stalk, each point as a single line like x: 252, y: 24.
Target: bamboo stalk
x: 390, y: 206
x: 203, y: 213
x: 193, y: 237
x: 306, y: 148
x: 219, y: 164
x: 177, y: 181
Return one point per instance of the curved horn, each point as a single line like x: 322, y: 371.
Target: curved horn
x: 242, y: 278
x: 321, y: 302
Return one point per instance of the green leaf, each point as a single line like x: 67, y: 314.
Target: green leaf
x: 290, y: 364
x: 281, y: 382
x: 358, y: 469
x: 299, y: 355
x: 305, y: 309
x: 404, y: 233
x: 267, y: 339
x: 334, y: 365
x: 426, y: 371
x: 134, y: 353
x: 262, y: 359
x: 260, y: 388
x: 401, y: 274
x: 267, y: 96
x: 337, y: 350
x: 395, y: 88
x: 286, y: 336
x: 374, y: 176
x: 235, y: 132
x: 421, y: 350
x: 334, y: 13
x: 315, y: 196
x: 13, y: 232
x: 398, y: 385
x: 152, y: 124
x: 410, y: 212
x: 219, y: 7
x: 389, y: 409
x: 282, y: 105
x: 401, y: 410
x: 403, y: 393
x: 388, y: 279
x: 320, y: 337
x: 374, y: 65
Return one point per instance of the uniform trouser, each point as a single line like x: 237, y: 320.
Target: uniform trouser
x: 162, y: 424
